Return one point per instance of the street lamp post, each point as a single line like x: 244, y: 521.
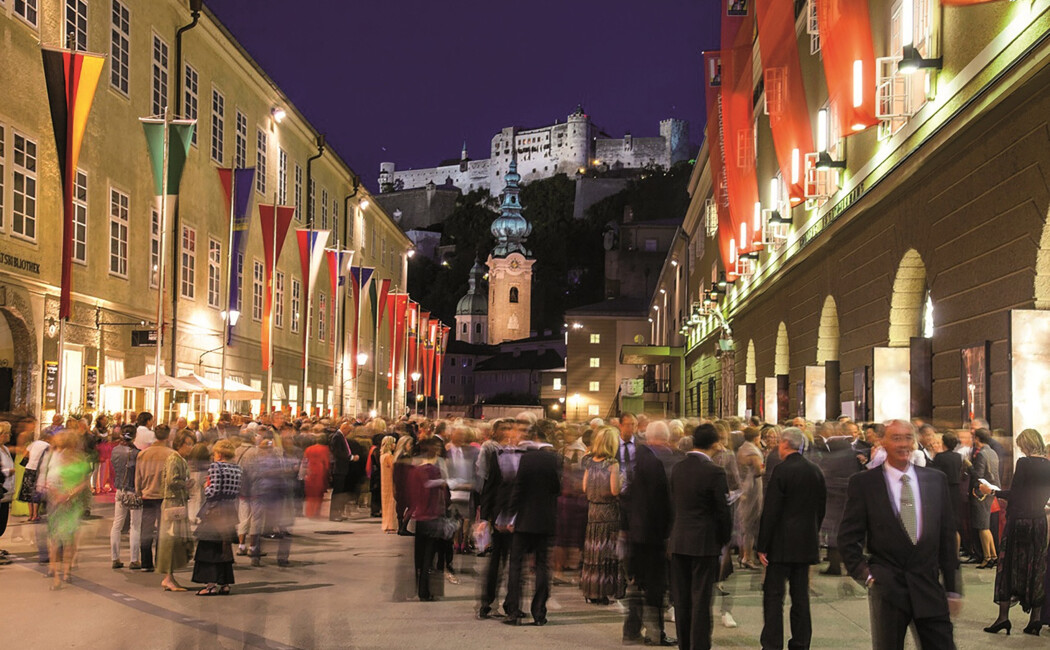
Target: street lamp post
x: 362, y: 359
x: 228, y: 321
x: 415, y: 388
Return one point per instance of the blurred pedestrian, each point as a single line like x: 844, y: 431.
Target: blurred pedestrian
x: 126, y: 504
x: 386, y: 470
x: 428, y: 504
x: 217, y: 532
x: 7, y: 482
x: 315, y: 472
x: 65, y: 479
x: 150, y: 485
x: 175, y: 546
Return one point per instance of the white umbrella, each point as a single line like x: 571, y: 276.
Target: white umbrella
x: 167, y: 382
x: 235, y: 390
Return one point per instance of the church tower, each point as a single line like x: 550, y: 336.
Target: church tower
x: 472, y: 311
x: 510, y: 268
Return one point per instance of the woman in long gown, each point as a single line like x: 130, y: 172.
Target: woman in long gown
x: 600, y: 578
x: 213, y: 560
x: 176, y: 544
x: 315, y: 468
x: 386, y: 468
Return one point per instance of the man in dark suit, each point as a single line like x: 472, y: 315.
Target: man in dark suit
x: 903, y: 515
x: 534, y: 510
x: 501, y: 469
x: 341, y: 458
x: 702, y: 526
x: 646, y: 521
x: 789, y: 541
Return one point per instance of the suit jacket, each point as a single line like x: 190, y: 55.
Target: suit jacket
x: 950, y: 464
x: 646, y: 511
x: 908, y: 572
x: 1030, y: 489
x: 789, y: 531
x: 702, y: 523
x: 340, y: 454
x: 986, y: 466
x: 534, y: 496
x: 356, y: 468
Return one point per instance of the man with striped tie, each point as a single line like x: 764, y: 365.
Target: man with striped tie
x: 902, y: 514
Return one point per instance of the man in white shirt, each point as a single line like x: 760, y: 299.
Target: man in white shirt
x: 144, y: 436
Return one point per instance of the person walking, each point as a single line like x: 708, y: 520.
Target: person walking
x: 903, y: 516
x: 217, y: 531
x: 702, y: 526
x: 65, y: 480
x: 428, y: 496
x: 1021, y: 570
x: 150, y: 467
x: 534, y: 508
x: 789, y: 541
x: 127, y: 503
x: 386, y: 477
x: 175, y: 545
x: 28, y: 492
x: 500, y: 473
x: 985, y: 467
x: 315, y: 470
x: 600, y: 578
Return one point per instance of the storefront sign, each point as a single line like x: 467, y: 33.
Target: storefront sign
x: 16, y: 262
x: 50, y: 385
x: 90, y: 387
x: 143, y: 338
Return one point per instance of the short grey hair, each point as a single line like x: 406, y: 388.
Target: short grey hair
x: 794, y: 438
x: 658, y: 431
x: 597, y: 422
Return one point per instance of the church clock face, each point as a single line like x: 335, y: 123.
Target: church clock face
x: 514, y: 264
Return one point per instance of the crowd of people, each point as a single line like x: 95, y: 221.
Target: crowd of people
x: 648, y: 516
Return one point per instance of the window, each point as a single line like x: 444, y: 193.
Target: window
x: 258, y: 281
x: 477, y: 328
x: 594, y: 386
x: 592, y: 409
x: 119, y: 47
x: 464, y: 328
x: 218, y: 110
x: 322, y: 310
x: 596, y: 338
x: 452, y: 380
x: 76, y: 24
x: 240, y: 141
x: 282, y: 176
x: 260, y: 161
x: 3, y: 174
x: 596, y: 362
x: 557, y: 383
x: 188, y: 263
x: 298, y: 192
x: 191, y: 97
x: 79, y: 217
x: 24, y: 190
x: 240, y: 284
x: 159, y: 71
x: 514, y: 294
x: 27, y: 10
x: 297, y: 292
x: 278, y: 299
x: 324, y: 208
x: 118, y: 233
x: 214, y: 272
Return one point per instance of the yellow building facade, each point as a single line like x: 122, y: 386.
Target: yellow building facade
x: 243, y: 120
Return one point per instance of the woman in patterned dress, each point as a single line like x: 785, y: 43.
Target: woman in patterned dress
x: 600, y: 579
x: 213, y: 560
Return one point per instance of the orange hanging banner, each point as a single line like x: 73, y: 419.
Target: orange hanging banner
x: 789, y: 117
x: 738, y: 120
x: 849, y: 63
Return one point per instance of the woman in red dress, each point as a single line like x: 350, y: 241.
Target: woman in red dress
x: 316, y: 466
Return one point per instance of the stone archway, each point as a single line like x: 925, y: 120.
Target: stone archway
x: 908, y: 301
x: 750, y: 372
x: 1042, y: 267
x: 25, y: 371
x: 782, y: 359
x: 828, y: 334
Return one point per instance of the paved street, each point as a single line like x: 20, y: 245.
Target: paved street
x: 340, y: 592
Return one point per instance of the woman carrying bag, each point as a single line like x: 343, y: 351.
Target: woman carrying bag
x: 217, y: 531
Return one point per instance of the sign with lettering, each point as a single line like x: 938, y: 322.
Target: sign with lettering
x: 50, y: 385
x: 143, y: 338
x: 90, y: 387
x: 16, y: 262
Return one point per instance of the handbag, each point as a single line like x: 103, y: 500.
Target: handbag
x: 128, y: 498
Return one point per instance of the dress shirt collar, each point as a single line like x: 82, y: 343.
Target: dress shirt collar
x: 894, y: 474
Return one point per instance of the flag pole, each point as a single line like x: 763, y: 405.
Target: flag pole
x: 375, y: 356
x: 356, y: 373
x: 439, y: 359
x: 229, y: 294
x: 160, y: 273
x: 268, y: 407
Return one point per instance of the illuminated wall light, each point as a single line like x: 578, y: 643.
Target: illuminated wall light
x: 907, y: 24
x: 795, y: 165
x: 758, y: 217
x: 858, y: 83
x: 822, y: 130
x: 774, y: 192
x: 732, y: 251
x: 743, y: 236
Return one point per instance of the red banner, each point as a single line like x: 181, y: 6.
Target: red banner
x: 275, y: 225
x: 413, y: 336
x: 428, y: 356
x: 738, y: 124
x: 398, y: 307
x: 849, y: 63
x: 439, y: 358
x: 720, y: 195
x: 789, y: 117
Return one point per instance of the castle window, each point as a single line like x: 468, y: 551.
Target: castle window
x: 477, y: 328
x: 464, y: 328
x: 514, y: 294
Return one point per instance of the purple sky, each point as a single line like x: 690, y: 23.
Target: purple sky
x: 408, y: 80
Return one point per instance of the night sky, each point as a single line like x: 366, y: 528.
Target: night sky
x: 407, y: 81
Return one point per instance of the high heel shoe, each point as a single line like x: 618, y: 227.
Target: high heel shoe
x: 1033, y: 628
x: 1001, y: 625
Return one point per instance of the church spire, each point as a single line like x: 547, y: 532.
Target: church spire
x: 511, y: 229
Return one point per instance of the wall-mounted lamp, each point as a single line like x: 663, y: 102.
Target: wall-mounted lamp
x: 911, y: 61
x: 234, y: 316
x: 824, y: 160
x: 365, y: 203
x: 278, y: 114
x: 52, y: 327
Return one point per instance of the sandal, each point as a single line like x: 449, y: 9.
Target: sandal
x: 209, y: 591
x: 224, y: 590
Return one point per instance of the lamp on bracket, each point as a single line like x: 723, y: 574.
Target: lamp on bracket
x: 824, y: 160
x: 911, y: 60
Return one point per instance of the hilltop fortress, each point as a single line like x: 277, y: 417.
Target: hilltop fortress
x: 571, y: 147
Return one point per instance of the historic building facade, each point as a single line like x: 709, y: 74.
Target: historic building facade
x: 913, y: 279
x: 243, y: 120
x: 567, y: 147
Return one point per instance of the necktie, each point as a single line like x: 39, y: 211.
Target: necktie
x: 908, y: 519
x: 626, y: 455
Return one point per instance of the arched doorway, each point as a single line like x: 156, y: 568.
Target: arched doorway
x: 909, y: 300
x: 782, y: 360
x: 828, y: 334
x: 17, y: 362
x: 750, y: 372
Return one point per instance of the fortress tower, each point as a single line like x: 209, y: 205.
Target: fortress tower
x: 510, y: 268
